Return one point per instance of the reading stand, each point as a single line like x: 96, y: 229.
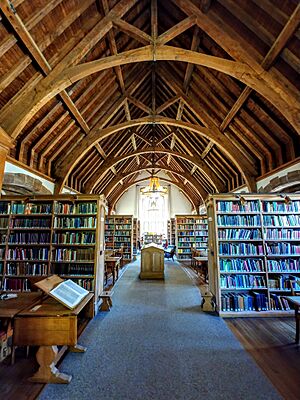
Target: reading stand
x: 50, y: 324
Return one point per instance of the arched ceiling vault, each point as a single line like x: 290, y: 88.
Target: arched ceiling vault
x: 207, y: 90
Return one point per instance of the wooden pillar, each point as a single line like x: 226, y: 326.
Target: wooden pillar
x: 6, y: 143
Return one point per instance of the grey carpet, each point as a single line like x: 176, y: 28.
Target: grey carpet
x: 156, y: 343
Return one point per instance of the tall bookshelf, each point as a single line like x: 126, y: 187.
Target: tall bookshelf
x: 45, y: 235
x: 119, y: 233
x: 191, y: 232
x: 136, y: 235
x: 254, y: 252
x: 171, y: 231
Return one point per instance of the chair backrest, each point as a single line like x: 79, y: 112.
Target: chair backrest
x: 295, y: 287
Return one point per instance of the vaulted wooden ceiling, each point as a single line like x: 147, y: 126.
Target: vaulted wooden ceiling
x: 93, y: 92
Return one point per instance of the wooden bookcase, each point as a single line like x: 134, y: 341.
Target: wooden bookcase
x: 171, y: 231
x: 45, y: 235
x: 254, y: 252
x: 152, y: 238
x: 119, y: 233
x: 136, y: 235
x: 191, y: 232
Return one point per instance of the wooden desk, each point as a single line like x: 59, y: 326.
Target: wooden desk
x: 295, y: 300
x: 202, y: 263
x: 113, y: 264
x: 11, y: 307
x: 49, y: 324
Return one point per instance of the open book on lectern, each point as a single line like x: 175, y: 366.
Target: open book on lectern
x: 66, y: 292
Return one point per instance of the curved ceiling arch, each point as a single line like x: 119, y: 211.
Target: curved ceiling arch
x: 180, y: 186
x: 63, y: 169
x: 57, y: 80
x: 110, y: 187
x: 196, y: 160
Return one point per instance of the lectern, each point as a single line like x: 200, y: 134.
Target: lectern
x: 152, y: 262
x: 49, y: 324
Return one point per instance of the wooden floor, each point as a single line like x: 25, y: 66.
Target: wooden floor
x: 270, y: 341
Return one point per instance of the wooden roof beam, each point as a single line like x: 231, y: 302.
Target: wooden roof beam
x: 277, y: 47
x: 26, y: 38
x: 132, y: 31
x: 167, y: 104
x: 227, y: 40
x: 176, y: 30
x: 139, y: 104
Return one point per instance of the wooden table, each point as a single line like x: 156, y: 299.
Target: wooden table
x: 295, y: 300
x: 202, y: 262
x: 11, y: 307
x: 49, y: 324
x: 113, y: 264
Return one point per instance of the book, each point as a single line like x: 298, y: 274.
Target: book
x: 66, y: 292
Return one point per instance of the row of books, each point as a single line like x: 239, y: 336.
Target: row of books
x: 185, y: 221
x: 74, y: 238
x: 275, y: 206
x: 16, y: 284
x: 239, y: 220
x: 30, y: 223
x: 3, y: 223
x: 236, y: 206
x: 238, y: 302
x: 201, y: 233
x: 75, y: 222
x: 242, y: 281
x: 123, y: 227
x: 281, y: 220
x: 78, y: 208
x: 31, y: 208
x: 278, y: 302
x: 282, y: 282
x: 4, y: 207
x: 123, y: 239
x: 283, y: 234
x: 185, y: 233
x: 73, y: 269
x: 87, y: 284
x: 29, y: 237
x: 28, y: 254
x: 240, y: 249
x: 245, y: 265
x: 180, y: 251
x: 282, y: 249
x: 123, y: 233
x: 286, y: 265
x: 23, y: 268
x: 186, y: 239
x: 74, y: 254
x: 239, y: 234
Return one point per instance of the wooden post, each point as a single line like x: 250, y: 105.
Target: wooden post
x: 6, y: 143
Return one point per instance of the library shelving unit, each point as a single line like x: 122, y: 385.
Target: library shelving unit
x: 191, y: 232
x: 152, y: 238
x: 254, y: 252
x: 169, y: 231
x: 173, y: 231
x: 136, y: 235
x: 45, y: 235
x: 119, y: 234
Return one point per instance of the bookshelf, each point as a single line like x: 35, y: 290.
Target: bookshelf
x: 152, y: 238
x: 191, y: 232
x: 254, y: 252
x: 46, y: 235
x: 119, y: 233
x: 136, y: 235
x: 171, y: 229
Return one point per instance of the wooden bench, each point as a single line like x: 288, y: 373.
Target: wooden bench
x: 106, y: 304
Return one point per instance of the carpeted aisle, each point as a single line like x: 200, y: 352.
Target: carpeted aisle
x: 156, y: 343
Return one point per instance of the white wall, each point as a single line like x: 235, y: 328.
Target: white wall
x: 128, y: 203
